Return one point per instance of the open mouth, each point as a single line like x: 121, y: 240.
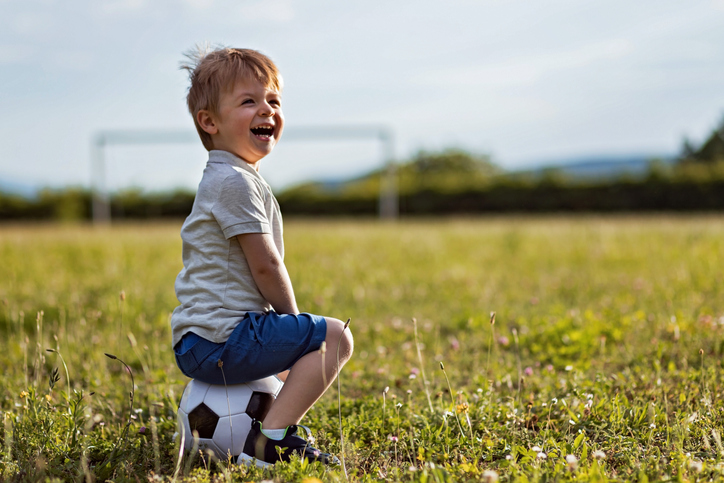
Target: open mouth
x: 264, y: 132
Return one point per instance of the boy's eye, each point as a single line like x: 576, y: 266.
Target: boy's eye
x: 248, y: 101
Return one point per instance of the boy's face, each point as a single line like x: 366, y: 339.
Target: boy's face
x: 249, y: 122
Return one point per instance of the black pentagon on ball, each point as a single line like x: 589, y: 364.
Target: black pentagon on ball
x: 203, y: 420
x: 259, y: 405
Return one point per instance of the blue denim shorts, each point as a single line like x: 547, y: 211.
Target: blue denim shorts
x: 263, y: 344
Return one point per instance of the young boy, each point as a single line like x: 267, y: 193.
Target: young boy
x: 238, y: 320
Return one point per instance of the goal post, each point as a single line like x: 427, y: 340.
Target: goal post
x: 388, y: 205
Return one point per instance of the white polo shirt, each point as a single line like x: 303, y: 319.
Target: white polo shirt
x: 215, y: 287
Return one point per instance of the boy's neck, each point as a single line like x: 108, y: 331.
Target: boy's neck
x: 254, y: 166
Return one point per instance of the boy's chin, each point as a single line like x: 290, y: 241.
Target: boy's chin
x: 255, y: 157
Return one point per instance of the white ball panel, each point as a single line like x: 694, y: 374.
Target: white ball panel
x: 225, y: 400
x: 239, y: 429
x: 271, y: 384
x: 236, y: 402
x: 195, y: 393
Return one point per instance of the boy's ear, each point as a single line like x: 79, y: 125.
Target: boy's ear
x: 203, y: 117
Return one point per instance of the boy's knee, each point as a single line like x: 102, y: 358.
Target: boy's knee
x: 348, y: 342
x: 337, y: 334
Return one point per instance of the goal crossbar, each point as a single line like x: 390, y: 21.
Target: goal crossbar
x: 388, y: 207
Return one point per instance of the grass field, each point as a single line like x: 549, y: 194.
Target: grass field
x: 604, y: 361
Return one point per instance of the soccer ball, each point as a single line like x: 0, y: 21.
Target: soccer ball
x: 222, y: 415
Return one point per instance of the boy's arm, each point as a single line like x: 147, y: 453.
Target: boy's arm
x: 269, y: 271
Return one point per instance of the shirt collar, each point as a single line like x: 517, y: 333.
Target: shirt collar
x: 219, y: 156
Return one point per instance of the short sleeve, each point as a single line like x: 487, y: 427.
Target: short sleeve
x: 239, y: 207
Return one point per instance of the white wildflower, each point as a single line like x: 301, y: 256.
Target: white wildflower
x: 490, y: 476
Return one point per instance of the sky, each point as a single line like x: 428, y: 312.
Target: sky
x: 523, y: 81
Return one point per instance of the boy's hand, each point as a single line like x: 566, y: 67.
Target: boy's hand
x: 269, y: 271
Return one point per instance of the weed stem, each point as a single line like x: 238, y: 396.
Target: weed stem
x: 442, y: 366
x: 422, y: 366
x: 220, y: 363
x: 339, y: 402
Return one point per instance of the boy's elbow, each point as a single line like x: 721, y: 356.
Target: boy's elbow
x: 266, y: 268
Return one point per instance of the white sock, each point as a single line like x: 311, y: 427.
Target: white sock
x: 275, y: 434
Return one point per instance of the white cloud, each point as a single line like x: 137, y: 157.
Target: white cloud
x: 279, y: 11
x: 528, y: 69
x: 14, y: 54
x: 111, y: 7
x: 31, y: 22
x: 74, y: 60
x: 199, y: 4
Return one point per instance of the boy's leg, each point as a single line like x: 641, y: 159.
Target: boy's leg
x: 305, y: 383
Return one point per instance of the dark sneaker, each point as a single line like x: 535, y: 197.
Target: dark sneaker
x: 264, y: 452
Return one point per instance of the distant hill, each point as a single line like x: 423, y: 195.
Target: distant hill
x: 599, y: 166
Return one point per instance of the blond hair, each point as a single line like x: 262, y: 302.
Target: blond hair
x: 212, y: 72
